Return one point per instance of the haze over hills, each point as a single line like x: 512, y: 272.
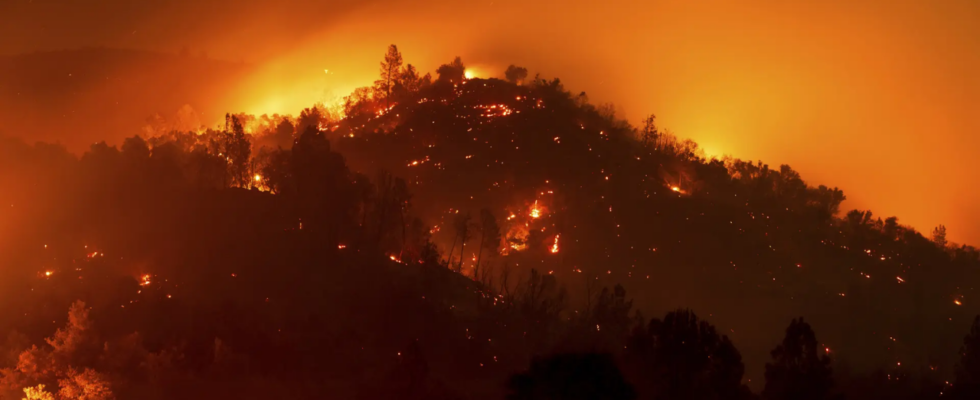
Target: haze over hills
x: 108, y: 94
x: 444, y: 232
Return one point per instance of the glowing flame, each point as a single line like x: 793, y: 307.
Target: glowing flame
x: 469, y: 74
x: 257, y: 178
x: 48, y: 273
x: 676, y: 189
x: 341, y: 246
x: 957, y: 302
x: 554, y: 247
x: 145, y: 280
x: 535, y: 211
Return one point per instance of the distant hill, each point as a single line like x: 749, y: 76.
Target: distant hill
x: 747, y: 245
x: 80, y: 96
x: 441, y: 235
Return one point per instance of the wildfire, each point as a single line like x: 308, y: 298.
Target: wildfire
x: 494, y: 110
x: 145, y: 280
x: 469, y: 74
x: 384, y: 111
x: 535, y: 211
x: 416, y: 163
x: 257, y: 178
x: 554, y: 247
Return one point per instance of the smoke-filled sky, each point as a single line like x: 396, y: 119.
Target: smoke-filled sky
x: 877, y: 97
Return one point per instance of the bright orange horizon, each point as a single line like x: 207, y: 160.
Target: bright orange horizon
x: 875, y: 97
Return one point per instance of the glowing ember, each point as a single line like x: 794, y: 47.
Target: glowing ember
x: 554, y: 247
x: 900, y: 280
x: 494, y: 110
x: 341, y: 246
x: 957, y: 302
x: 676, y: 189
x: 48, y: 273
x: 257, y: 178
x: 145, y: 280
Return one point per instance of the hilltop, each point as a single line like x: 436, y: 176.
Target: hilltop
x: 749, y: 245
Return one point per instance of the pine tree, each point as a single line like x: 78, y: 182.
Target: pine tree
x: 798, y: 371
x: 391, y: 71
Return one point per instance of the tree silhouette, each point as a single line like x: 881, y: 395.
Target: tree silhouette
x: 682, y: 357
x: 967, y: 382
x: 611, y: 314
x: 452, y: 72
x: 489, y: 235
x: 463, y: 226
x: 310, y: 118
x: 515, y: 74
x: 284, y: 134
x: 939, y: 236
x: 235, y: 146
x: 410, y: 82
x: 891, y: 228
x: 571, y: 377
x: 392, y: 202
x: 409, y: 379
x: 391, y: 73
x: 799, y: 370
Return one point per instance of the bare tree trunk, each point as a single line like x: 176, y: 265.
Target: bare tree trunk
x: 401, y: 218
x: 451, y: 249
x: 462, y: 252
x: 479, y: 254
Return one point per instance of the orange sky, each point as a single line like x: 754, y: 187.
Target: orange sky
x: 875, y: 97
